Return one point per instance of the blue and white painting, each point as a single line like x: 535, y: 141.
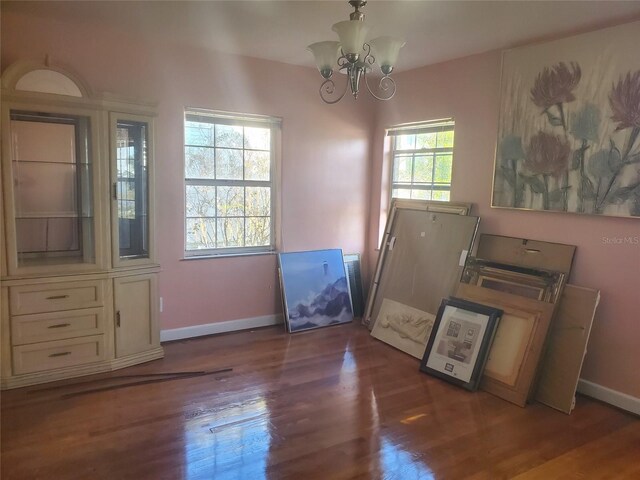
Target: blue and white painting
x: 315, y: 289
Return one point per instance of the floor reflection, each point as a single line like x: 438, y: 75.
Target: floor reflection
x: 258, y: 438
x: 397, y: 463
x: 389, y: 460
x: 229, y: 444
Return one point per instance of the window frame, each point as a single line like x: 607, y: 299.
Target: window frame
x: 430, y: 126
x: 215, y: 117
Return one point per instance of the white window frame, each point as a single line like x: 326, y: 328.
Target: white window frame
x: 243, y: 120
x: 441, y: 125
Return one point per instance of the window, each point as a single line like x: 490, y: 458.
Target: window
x: 229, y: 173
x: 422, y: 156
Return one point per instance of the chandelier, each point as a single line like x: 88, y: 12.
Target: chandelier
x: 356, y: 58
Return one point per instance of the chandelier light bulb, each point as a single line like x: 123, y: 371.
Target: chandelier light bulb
x: 326, y: 55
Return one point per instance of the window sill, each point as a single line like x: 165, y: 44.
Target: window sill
x: 226, y: 255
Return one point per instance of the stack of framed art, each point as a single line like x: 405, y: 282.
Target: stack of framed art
x: 525, y: 279
x: 421, y: 258
x: 315, y: 289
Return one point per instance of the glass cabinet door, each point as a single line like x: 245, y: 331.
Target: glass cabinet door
x: 52, y: 170
x: 131, y: 188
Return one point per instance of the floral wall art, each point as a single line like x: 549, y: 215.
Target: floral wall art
x: 569, y: 130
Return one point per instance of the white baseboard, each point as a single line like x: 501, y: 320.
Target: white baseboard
x: 219, y: 327
x: 612, y: 397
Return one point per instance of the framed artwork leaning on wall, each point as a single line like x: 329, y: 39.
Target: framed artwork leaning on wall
x: 459, y: 343
x: 315, y: 289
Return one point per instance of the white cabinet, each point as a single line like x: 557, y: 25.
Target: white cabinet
x: 135, y: 304
x: 79, y: 278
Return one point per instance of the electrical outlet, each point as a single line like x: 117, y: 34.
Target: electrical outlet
x: 161, y: 305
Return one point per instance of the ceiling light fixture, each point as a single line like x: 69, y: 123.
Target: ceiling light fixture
x: 354, y: 56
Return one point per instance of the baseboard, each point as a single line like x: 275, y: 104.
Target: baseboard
x: 612, y: 397
x: 219, y: 327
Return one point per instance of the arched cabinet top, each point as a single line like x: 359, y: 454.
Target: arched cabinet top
x: 34, y: 77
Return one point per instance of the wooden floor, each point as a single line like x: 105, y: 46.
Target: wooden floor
x: 326, y: 404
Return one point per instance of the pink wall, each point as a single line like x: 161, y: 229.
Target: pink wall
x: 468, y: 90
x: 325, y: 153
x: 326, y: 195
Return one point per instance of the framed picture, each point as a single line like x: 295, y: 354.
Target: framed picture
x: 516, y: 350
x: 524, y: 282
x: 568, y: 137
x: 419, y: 260
x: 315, y: 289
x: 459, y: 343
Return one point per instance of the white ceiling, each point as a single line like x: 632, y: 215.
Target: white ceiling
x: 435, y: 31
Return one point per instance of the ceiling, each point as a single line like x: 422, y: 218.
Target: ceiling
x: 435, y: 31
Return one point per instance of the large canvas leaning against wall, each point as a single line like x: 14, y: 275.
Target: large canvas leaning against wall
x: 315, y: 289
x: 569, y: 129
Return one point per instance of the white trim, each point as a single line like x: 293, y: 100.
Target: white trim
x: 219, y: 327
x: 612, y: 397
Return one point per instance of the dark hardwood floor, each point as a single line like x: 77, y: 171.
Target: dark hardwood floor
x: 326, y: 404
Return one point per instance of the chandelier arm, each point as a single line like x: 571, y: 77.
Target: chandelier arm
x: 342, y: 61
x: 368, y: 58
x: 327, y: 88
x: 386, y: 83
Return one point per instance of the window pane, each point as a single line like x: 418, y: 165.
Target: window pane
x: 401, y: 193
x: 443, y: 169
x: 426, y: 140
x: 445, y: 139
x: 201, y: 233
x: 402, y: 168
x: 441, y: 195
x: 198, y: 133
x: 199, y: 162
x: 228, y: 182
x: 258, y: 232
x: 230, y: 232
x: 258, y: 201
x: 257, y: 138
x: 423, y: 169
x: 126, y: 190
x: 126, y: 210
x: 257, y: 165
x: 230, y: 201
x: 405, y: 142
x: 228, y: 136
x: 201, y: 201
x: 422, y: 162
x: 421, y: 194
x: 228, y: 164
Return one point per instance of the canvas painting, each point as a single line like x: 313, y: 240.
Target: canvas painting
x: 403, y: 327
x: 315, y: 289
x: 569, y: 129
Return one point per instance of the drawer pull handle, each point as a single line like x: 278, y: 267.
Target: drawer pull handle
x: 61, y: 354
x: 57, y: 297
x: 59, y: 325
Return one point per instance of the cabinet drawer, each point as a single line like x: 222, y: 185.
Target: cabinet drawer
x: 43, y: 356
x: 54, y: 297
x: 44, y: 327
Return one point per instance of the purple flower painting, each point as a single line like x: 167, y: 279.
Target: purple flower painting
x: 569, y: 132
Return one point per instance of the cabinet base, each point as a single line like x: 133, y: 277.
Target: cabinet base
x: 81, y: 370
